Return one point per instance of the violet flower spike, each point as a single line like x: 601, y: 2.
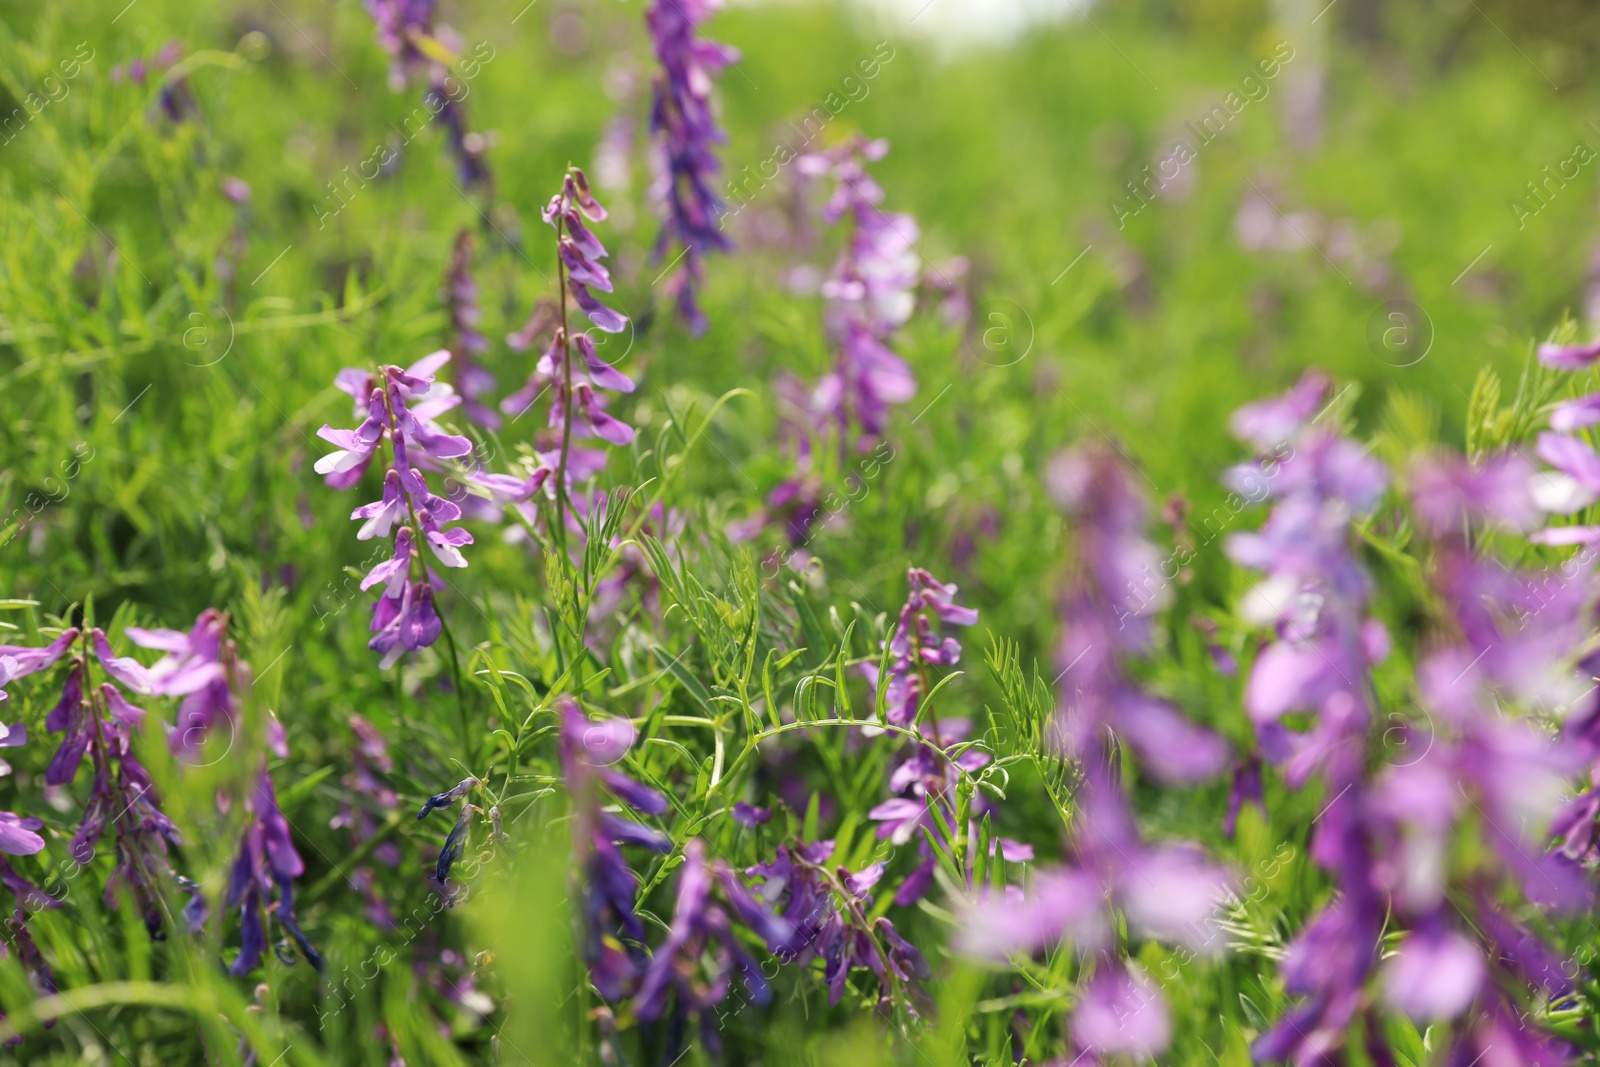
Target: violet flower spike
x: 686, y: 135
x: 870, y: 293
x: 577, y: 397
x: 401, y: 409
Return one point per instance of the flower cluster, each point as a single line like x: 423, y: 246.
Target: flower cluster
x: 401, y: 408
x: 204, y: 667
x: 98, y: 722
x: 19, y: 835
x: 686, y: 134
x: 871, y: 291
x: 827, y: 909
x: 1468, y: 771
x: 407, y: 33
x: 914, y: 645
x: 261, y: 884
x: 693, y: 966
x: 1315, y: 599
x: 577, y: 403
x: 1165, y: 892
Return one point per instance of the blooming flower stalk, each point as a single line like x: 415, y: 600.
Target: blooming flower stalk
x: 97, y: 722
x: 578, y: 387
x: 914, y: 645
x: 686, y: 135
x: 870, y: 293
x: 1167, y: 892
x: 400, y: 409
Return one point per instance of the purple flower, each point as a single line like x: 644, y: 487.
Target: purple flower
x: 19, y: 662
x: 1167, y: 892
x: 925, y: 782
x: 578, y: 386
x: 1105, y: 611
x: 686, y: 135
x: 1496, y: 492
x: 828, y: 911
x: 402, y: 411
x: 614, y: 939
x: 693, y: 966
x: 262, y: 882
x: 370, y: 762
x: 407, y: 33
x: 402, y: 25
x: 870, y: 293
x: 1569, y: 357
x: 194, y: 669
x: 914, y: 645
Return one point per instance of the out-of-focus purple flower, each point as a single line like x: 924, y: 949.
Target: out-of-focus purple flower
x: 467, y: 343
x: 870, y: 293
x: 369, y: 763
x: 614, y: 943
x: 1245, y: 789
x: 402, y: 24
x: 750, y: 816
x: 261, y: 885
x: 827, y: 910
x: 175, y: 102
x: 1497, y: 492
x: 1570, y: 357
x: 686, y: 135
x: 1116, y: 587
x: 194, y: 670
x: 18, y: 661
x: 25, y: 897
x: 1121, y: 1010
x: 1165, y: 892
x: 693, y: 966
x: 402, y: 411
x: 406, y: 31
x: 915, y: 644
